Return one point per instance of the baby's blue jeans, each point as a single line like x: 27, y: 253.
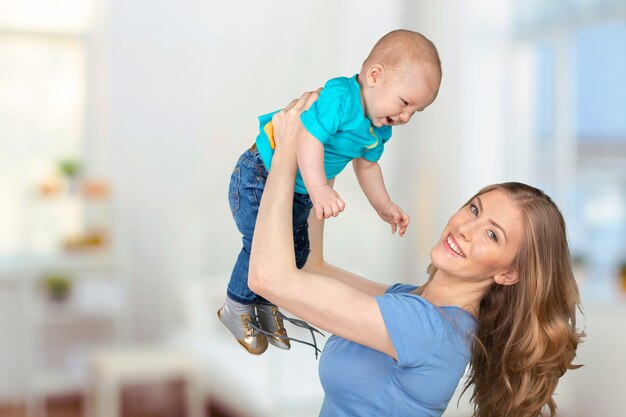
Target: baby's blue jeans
x: 244, y: 196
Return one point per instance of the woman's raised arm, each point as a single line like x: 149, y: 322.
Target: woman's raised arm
x: 324, y: 302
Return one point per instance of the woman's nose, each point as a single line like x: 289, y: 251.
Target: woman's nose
x: 466, y: 230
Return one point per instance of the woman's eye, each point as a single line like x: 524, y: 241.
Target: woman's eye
x: 473, y: 209
x: 492, y: 235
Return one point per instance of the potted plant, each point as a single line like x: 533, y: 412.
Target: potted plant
x: 58, y: 287
x: 70, y: 168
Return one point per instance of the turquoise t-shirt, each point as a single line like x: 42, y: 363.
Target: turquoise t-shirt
x: 338, y: 121
x: 433, y: 347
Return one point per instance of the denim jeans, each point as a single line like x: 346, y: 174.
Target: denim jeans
x: 244, y: 196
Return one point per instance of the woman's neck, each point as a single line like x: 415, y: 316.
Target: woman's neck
x: 446, y: 291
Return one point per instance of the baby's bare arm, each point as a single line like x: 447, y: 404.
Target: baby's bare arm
x: 370, y: 178
x: 310, y: 153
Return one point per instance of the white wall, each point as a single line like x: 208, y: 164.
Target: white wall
x: 185, y: 82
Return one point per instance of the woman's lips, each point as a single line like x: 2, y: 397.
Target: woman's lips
x: 452, y: 246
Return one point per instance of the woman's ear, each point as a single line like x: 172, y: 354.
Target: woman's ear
x: 374, y: 74
x: 506, y: 278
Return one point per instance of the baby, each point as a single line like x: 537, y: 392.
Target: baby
x: 350, y: 122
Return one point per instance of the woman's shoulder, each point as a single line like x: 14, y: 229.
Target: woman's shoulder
x: 400, y: 288
x: 404, y: 296
x: 401, y: 306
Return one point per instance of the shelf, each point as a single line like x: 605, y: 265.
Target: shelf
x: 53, y: 316
x: 65, y: 243
x: 18, y: 267
x: 70, y: 261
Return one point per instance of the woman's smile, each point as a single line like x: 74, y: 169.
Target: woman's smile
x: 452, y: 246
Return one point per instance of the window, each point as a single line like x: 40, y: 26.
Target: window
x: 579, y: 123
x: 600, y: 82
x: 43, y: 52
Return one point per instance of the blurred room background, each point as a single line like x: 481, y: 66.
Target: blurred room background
x: 121, y: 121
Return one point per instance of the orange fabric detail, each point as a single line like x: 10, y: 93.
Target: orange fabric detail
x: 269, y: 131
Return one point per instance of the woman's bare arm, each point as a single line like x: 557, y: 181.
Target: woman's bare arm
x: 328, y: 303
x: 316, y: 263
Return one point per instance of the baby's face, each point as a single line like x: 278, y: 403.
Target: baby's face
x: 395, y: 96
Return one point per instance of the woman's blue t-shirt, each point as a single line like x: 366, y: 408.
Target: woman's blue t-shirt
x: 433, y: 348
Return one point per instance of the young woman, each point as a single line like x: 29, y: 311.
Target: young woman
x: 500, y: 295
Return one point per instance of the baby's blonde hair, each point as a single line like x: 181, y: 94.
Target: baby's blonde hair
x: 401, y: 47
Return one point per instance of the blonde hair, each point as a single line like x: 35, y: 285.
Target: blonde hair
x: 526, y: 337
x: 401, y: 47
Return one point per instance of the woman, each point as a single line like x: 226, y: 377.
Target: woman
x: 501, y: 295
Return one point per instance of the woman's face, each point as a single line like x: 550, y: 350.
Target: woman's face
x: 481, y: 239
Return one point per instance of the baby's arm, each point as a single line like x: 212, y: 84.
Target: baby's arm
x: 370, y: 178
x: 310, y: 152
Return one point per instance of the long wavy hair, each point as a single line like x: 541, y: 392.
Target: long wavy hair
x: 526, y: 337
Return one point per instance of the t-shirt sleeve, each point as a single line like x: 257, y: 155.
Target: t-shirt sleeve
x: 412, y: 324
x: 325, y: 117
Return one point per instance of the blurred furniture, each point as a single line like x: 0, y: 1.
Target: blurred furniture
x: 62, y: 294
x: 145, y: 382
x: 51, y: 339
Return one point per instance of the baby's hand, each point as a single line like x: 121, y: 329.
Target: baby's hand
x: 326, y: 202
x: 392, y: 214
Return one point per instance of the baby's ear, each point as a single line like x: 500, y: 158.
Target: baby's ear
x: 374, y: 74
x: 506, y: 277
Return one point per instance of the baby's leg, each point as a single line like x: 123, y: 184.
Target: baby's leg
x: 238, y: 314
x: 301, y: 208
x: 244, y: 196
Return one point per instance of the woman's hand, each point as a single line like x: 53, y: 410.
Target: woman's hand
x: 287, y: 124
